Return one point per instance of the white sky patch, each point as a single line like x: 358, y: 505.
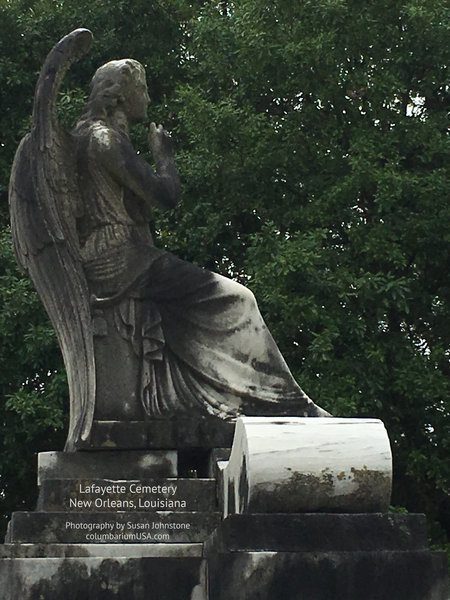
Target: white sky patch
x: 416, y: 108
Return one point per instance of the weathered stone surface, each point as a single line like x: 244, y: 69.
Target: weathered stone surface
x: 117, y: 395
x: 88, y: 495
x: 103, y: 579
x: 324, y: 557
x: 217, y: 455
x: 117, y: 435
x: 100, y: 550
x: 292, y: 465
x: 107, y: 465
x: 200, y: 432
x: 108, y: 528
x: 419, y: 575
x: 317, y: 532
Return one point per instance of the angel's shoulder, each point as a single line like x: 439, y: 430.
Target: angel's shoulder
x: 102, y: 138
x: 96, y: 137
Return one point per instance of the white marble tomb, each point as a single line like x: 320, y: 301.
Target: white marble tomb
x: 295, y: 464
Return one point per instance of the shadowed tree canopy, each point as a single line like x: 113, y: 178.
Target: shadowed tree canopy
x: 312, y: 143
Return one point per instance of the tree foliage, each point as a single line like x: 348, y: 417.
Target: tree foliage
x: 312, y: 142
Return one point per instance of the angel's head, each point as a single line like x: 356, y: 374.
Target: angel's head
x: 120, y: 85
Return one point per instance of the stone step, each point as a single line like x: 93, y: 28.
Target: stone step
x: 117, y: 527
x: 103, y: 495
x: 107, y: 464
x: 418, y: 575
x: 118, y: 578
x: 316, y: 532
x: 100, y: 550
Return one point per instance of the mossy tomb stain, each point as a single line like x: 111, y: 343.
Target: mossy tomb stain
x: 306, y: 492
x: 373, y: 488
x: 302, y: 492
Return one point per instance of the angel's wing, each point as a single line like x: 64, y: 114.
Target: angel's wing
x: 44, y: 199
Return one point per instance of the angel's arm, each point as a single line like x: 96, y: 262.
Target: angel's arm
x: 116, y: 154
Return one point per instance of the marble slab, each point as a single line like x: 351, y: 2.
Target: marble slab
x: 295, y: 464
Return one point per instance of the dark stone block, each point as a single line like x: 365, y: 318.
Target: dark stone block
x: 317, y: 532
x: 82, y: 495
x: 117, y: 435
x: 199, y: 432
x: 107, y: 465
x: 419, y: 575
x: 102, y: 579
x: 193, y: 462
x: 324, y: 557
x: 108, y: 528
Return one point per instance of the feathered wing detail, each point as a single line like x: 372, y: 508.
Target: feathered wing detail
x: 44, y: 202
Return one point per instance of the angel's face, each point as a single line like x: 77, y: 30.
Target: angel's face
x: 125, y: 80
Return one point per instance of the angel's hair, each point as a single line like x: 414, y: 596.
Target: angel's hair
x: 108, y: 86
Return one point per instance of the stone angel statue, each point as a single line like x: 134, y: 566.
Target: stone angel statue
x: 143, y: 333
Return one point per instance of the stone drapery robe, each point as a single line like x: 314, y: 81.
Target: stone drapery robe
x: 200, y: 338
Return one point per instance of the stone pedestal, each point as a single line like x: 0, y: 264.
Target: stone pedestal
x: 324, y: 557
x: 127, y: 525
x: 111, y: 525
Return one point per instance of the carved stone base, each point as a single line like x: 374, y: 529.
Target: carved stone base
x: 198, y: 432
x: 148, y: 548
x: 324, y: 557
x: 106, y: 465
x: 82, y: 551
